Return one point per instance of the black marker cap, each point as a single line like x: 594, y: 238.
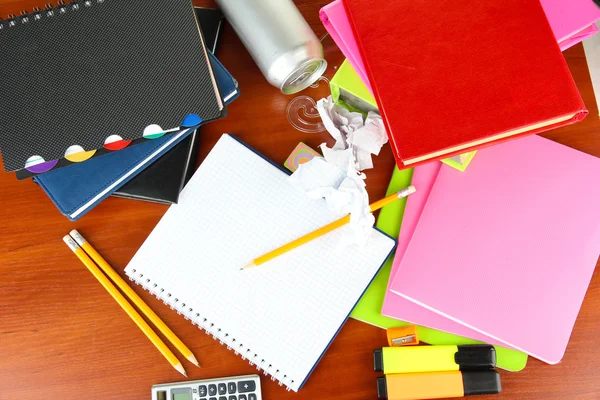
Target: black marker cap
x: 475, y: 356
x: 480, y: 382
x: 382, y: 389
x: 378, y: 360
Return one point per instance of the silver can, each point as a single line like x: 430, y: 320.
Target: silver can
x: 280, y: 41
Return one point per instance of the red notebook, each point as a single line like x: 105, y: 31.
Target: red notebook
x: 451, y: 76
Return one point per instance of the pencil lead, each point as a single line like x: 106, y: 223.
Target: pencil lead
x: 250, y: 265
x: 179, y: 368
x: 193, y: 360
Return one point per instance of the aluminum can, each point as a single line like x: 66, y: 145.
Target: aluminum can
x: 280, y: 41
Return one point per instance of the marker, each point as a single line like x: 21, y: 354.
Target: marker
x: 402, y: 360
x: 438, y: 385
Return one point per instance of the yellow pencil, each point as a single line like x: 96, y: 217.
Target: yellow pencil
x: 326, y: 229
x: 128, y: 308
x: 125, y: 288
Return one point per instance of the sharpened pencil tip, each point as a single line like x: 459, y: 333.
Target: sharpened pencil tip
x: 250, y: 265
x: 193, y: 360
x: 179, y: 368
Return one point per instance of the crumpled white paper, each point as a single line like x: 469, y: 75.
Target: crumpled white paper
x: 337, y: 177
x: 350, y: 131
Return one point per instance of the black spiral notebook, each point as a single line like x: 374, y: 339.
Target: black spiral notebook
x: 162, y: 181
x: 76, y: 76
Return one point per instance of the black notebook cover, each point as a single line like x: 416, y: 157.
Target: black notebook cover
x: 162, y: 181
x: 81, y: 72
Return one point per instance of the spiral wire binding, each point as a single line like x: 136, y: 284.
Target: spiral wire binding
x: 210, y: 329
x: 49, y: 11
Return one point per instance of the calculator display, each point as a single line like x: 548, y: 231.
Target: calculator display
x: 183, y: 395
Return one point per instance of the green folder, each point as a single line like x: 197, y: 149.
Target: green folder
x: 368, y: 308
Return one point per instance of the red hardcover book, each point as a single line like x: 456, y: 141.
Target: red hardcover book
x: 451, y: 76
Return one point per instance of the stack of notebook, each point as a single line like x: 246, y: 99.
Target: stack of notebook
x: 89, y: 134
x: 436, y: 75
x: 502, y: 253
x: 572, y: 21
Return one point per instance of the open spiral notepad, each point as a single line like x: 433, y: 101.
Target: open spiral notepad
x: 281, y: 316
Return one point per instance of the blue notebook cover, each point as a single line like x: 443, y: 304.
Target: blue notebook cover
x: 78, y: 188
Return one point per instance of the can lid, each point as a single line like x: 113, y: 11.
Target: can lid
x: 304, y: 76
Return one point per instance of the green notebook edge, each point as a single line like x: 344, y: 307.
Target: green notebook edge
x: 368, y: 309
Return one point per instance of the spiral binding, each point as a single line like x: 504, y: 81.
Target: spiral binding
x: 210, y: 329
x: 49, y: 11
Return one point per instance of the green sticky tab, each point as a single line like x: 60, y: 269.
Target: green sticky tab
x: 347, y: 86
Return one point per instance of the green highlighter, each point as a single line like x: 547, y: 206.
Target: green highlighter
x: 368, y: 308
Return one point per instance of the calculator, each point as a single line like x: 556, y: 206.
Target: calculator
x: 246, y: 387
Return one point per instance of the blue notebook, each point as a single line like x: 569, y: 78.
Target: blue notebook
x: 237, y: 206
x: 78, y: 188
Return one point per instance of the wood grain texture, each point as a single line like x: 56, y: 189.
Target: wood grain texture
x: 63, y: 337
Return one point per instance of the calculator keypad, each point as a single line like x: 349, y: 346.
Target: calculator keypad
x: 245, y: 387
x: 231, y: 387
x: 203, y: 390
x: 222, y: 389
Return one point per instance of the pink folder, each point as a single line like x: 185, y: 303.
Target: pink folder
x: 571, y: 20
x: 508, y: 248
x: 397, y: 307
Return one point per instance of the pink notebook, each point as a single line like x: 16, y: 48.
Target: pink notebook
x: 397, y: 307
x: 336, y: 22
x: 508, y: 247
x: 572, y: 21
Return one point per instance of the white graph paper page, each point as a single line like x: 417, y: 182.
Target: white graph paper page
x: 282, y: 315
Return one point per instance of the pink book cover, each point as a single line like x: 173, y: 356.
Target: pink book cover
x: 400, y: 308
x: 571, y: 20
x: 508, y: 248
x: 334, y: 18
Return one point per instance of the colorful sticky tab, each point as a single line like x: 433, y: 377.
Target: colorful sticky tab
x: 191, y: 120
x: 116, y: 142
x: 301, y: 154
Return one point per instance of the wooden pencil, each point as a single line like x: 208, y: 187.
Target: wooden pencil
x: 133, y: 296
x: 128, y: 308
x: 326, y: 229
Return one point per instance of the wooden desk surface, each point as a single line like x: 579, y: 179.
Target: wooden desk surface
x: 63, y: 337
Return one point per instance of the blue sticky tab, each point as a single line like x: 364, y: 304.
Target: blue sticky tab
x: 191, y: 120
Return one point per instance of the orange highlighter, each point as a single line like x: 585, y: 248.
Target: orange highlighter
x: 438, y: 385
